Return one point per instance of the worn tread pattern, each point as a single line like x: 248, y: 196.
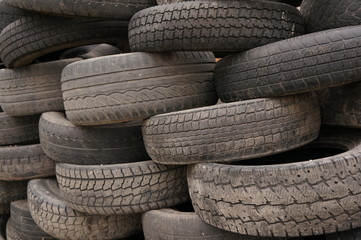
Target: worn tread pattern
x: 354, y: 234
x: 11, y: 233
x: 33, y: 89
x: 301, y: 64
x: 135, y: 86
x: 105, y: 144
x: 108, y: 9
x: 218, y: 26
x: 297, y: 199
x: 15, y: 130
x: 334, y: 14
x: 295, y: 3
x: 30, y: 37
x: 122, y: 188
x: 54, y: 217
x: 9, y: 14
x: 233, y: 131
x: 9, y: 192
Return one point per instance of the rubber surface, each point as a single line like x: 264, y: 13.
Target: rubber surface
x: 135, y: 86
x: 91, y: 51
x: 233, y: 131
x: 217, y: 26
x: 106, y: 144
x: 54, y: 217
x: 9, y: 192
x: 301, y: 64
x: 30, y: 37
x: 311, y: 197
x: 122, y: 188
x: 9, y: 14
x: 11, y: 233
x: 291, y: 2
x: 354, y: 234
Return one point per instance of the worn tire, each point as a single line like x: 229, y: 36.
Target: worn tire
x: 24, y: 224
x: 30, y: 37
x: 122, y: 188
x: 135, y: 86
x: 54, y: 217
x: 354, y: 234
x: 302, y: 64
x: 15, y: 130
x: 33, y: 89
x: 90, y: 51
x: 107, y: 144
x: 334, y: 14
x: 301, y: 198
x: 295, y: 3
x: 108, y: 9
x: 9, y: 192
x: 11, y: 233
x: 9, y: 14
x: 217, y: 26
x: 233, y: 131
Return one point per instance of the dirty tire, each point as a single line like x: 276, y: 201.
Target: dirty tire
x: 24, y: 163
x: 296, y: 199
x: 108, y: 9
x: 31, y: 37
x: 23, y: 223
x: 217, y: 26
x: 306, y: 63
x: 295, y: 3
x: 354, y: 234
x: 15, y: 130
x: 11, y: 233
x: 33, y: 89
x: 341, y: 106
x: 233, y: 131
x: 91, y: 51
x: 135, y: 86
x: 54, y: 217
x: 334, y: 14
x: 105, y: 144
x: 9, y: 14
x: 122, y: 188
x: 9, y: 192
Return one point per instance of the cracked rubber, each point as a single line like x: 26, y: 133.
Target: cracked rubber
x: 33, y: 89
x: 122, y: 188
x: 108, y: 9
x: 135, y: 86
x: 301, y: 198
x: 24, y: 224
x: 354, y: 234
x: 9, y: 192
x: 306, y: 63
x: 334, y: 14
x: 217, y: 26
x: 11, y: 233
x: 54, y: 217
x: 9, y: 14
x: 31, y: 37
x: 15, y: 130
x: 105, y: 144
x: 233, y: 131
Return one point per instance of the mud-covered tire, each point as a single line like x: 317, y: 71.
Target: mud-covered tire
x: 54, y: 217
x: 232, y: 131
x: 311, y: 197
x: 135, y: 86
x: 9, y: 192
x: 306, y: 63
x: 217, y: 26
x: 31, y: 37
x: 122, y: 188
x: 106, y: 144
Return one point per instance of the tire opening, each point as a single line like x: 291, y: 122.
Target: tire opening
x: 185, y: 207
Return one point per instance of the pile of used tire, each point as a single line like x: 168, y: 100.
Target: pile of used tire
x: 203, y: 120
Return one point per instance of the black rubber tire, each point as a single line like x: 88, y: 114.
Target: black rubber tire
x: 334, y: 14
x: 3, y: 222
x: 24, y: 163
x: 15, y: 130
x: 135, y: 86
x: 217, y: 26
x: 91, y: 51
x: 341, y: 106
x: 233, y: 131
x: 54, y: 217
x: 33, y: 89
x: 295, y: 3
x: 106, y: 144
x: 9, y: 14
x: 306, y: 63
x: 122, y: 188
x: 11, y: 233
x: 311, y: 197
x: 354, y: 234
x: 9, y: 192
x: 108, y: 9
x: 24, y: 224
x: 30, y: 37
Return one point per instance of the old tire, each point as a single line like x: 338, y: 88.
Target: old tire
x: 354, y: 234
x: 9, y: 192
x: 11, y: 233
x: 217, y: 26
x: 9, y: 14
x: 306, y: 63
x: 106, y: 144
x: 311, y: 197
x: 233, y: 131
x: 90, y: 51
x: 295, y: 3
x: 135, y: 86
x: 122, y: 188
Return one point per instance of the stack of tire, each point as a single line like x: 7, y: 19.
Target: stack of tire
x: 136, y: 136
